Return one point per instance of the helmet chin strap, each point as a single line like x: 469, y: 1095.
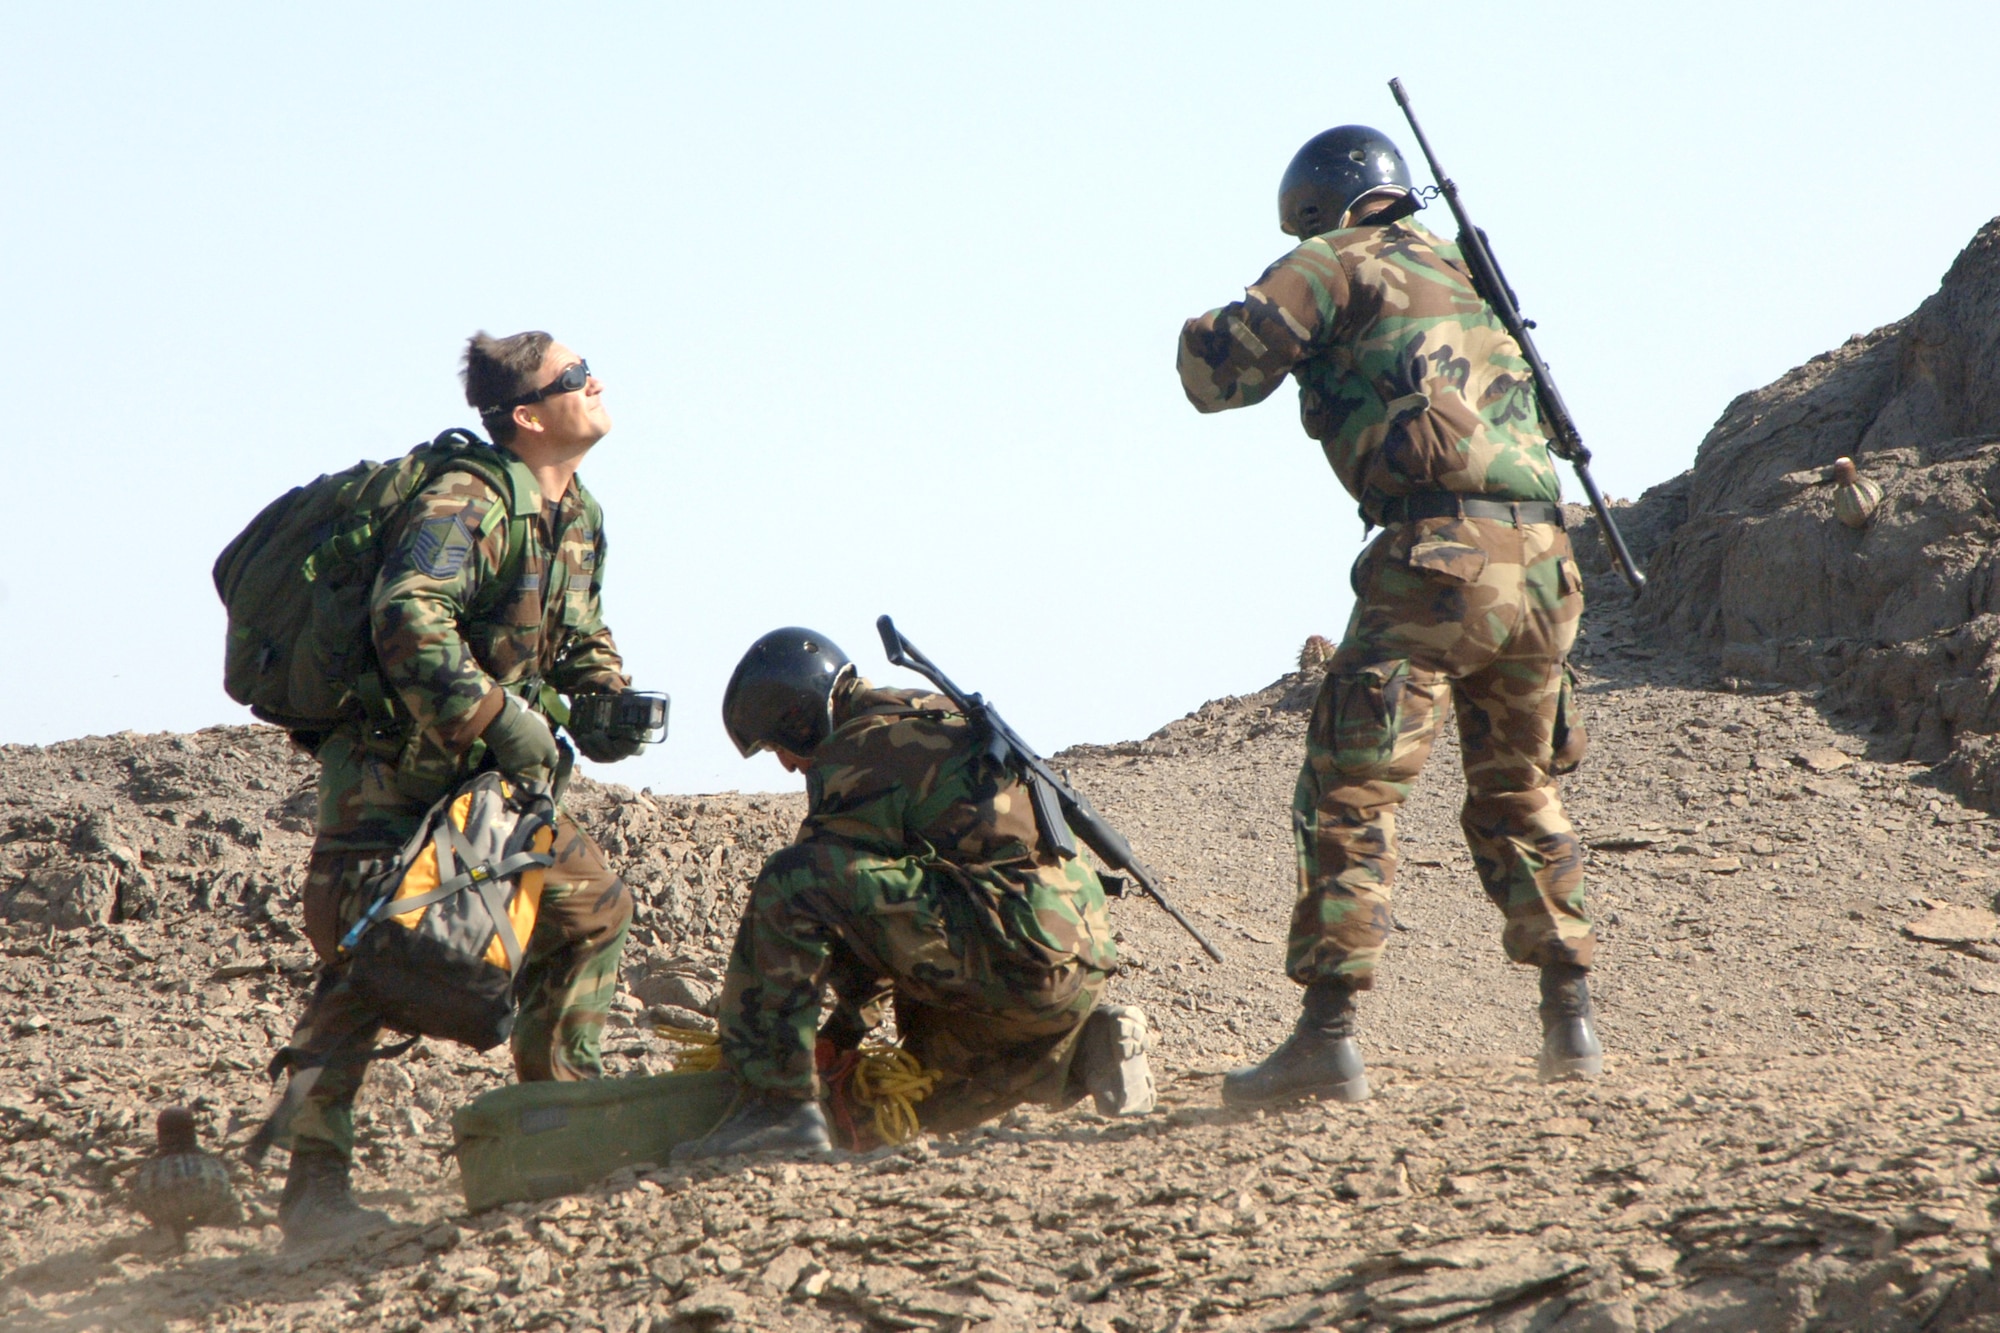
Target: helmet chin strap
x: 1379, y: 194
x: 840, y: 677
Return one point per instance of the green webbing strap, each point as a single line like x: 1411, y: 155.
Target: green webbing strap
x: 488, y: 881
x: 524, y: 493
x: 524, y: 505
x: 523, y: 499
x: 338, y: 549
x: 552, y: 704
x: 557, y: 582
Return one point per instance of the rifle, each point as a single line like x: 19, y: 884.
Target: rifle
x: 1059, y: 808
x: 1564, y: 440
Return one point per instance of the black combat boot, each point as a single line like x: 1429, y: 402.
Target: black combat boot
x: 1319, y: 1059
x: 317, y: 1205
x: 762, y: 1123
x: 1570, y: 1048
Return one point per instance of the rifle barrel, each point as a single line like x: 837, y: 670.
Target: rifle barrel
x: 1077, y: 813
x: 1565, y: 440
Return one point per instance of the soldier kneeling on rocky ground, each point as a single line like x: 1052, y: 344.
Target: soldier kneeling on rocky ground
x: 919, y: 877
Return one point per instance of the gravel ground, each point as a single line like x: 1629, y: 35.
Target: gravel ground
x: 1799, y: 985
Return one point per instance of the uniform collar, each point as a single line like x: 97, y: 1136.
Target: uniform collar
x: 843, y: 703
x: 524, y: 497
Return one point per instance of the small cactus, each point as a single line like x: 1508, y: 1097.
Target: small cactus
x: 182, y: 1187
x: 1315, y: 653
x: 1855, y: 497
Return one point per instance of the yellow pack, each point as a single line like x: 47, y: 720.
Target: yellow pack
x: 437, y: 949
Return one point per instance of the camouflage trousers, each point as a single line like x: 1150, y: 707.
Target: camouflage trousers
x: 1480, y: 614
x: 998, y: 1031
x: 562, y: 994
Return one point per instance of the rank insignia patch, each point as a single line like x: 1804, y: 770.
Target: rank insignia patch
x: 441, y: 546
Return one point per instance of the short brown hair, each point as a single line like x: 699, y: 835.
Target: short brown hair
x: 498, y: 369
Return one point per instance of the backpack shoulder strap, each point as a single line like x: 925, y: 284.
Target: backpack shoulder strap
x: 466, y: 452
x: 518, y: 492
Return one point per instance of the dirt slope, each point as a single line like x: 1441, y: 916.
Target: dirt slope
x: 1799, y: 986
x: 1798, y: 1129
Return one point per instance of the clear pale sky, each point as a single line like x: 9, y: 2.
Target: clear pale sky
x: 885, y: 298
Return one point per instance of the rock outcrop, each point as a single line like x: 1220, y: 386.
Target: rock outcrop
x: 1899, y: 622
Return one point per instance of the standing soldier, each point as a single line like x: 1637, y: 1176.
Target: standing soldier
x: 1427, y: 412
x: 918, y: 875
x: 473, y: 638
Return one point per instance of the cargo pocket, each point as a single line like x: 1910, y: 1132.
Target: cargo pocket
x: 1569, y: 736
x: 1569, y: 576
x: 1363, y: 717
x: 1458, y: 561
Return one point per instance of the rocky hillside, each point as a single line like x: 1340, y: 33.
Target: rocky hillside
x: 1795, y: 741
x: 1899, y: 622
x: 1800, y: 987
x: 130, y: 828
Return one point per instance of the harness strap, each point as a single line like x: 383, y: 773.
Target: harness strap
x: 452, y: 852
x: 492, y: 893
x: 478, y: 877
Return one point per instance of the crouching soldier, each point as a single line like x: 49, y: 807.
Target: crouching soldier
x: 918, y: 877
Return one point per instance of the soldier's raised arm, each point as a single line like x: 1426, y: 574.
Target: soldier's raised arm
x: 1237, y: 355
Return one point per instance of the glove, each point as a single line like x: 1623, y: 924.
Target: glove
x: 521, y: 743
x: 607, y: 749
x: 599, y: 735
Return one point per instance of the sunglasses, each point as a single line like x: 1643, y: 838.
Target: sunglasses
x: 573, y: 377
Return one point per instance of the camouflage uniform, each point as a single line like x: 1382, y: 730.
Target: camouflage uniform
x: 454, y: 616
x: 460, y: 613
x: 1412, y: 386
x: 918, y: 874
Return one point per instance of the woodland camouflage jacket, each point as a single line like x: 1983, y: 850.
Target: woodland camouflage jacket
x: 1406, y: 378
x: 455, y: 612
x: 902, y: 774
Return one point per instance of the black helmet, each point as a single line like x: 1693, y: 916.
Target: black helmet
x: 782, y: 692
x: 1332, y: 171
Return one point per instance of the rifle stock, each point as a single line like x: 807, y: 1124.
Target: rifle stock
x: 1565, y: 441
x: 1074, y: 812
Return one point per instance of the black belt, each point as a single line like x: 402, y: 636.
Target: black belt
x: 1447, y: 504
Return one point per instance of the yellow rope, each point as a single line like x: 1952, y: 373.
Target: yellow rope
x: 887, y: 1079
x: 694, y: 1050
